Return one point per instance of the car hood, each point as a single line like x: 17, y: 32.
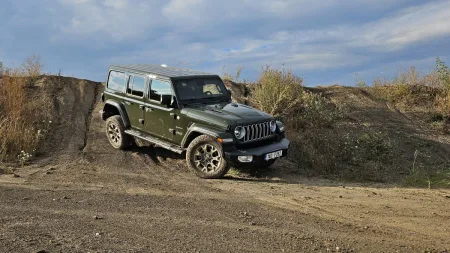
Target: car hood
x: 225, y: 114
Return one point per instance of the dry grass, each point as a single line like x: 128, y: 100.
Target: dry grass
x: 409, y: 89
x: 23, y: 122
x: 277, y: 92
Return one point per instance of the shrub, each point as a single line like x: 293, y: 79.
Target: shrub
x: 1, y: 69
x: 428, y: 178
x: 277, y: 91
x: 32, y: 69
x: 443, y: 72
x: 22, y: 123
x: 313, y: 111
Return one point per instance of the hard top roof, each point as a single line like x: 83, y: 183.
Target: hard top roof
x: 171, y: 72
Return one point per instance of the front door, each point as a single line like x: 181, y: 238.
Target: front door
x: 159, y: 118
x: 134, y: 103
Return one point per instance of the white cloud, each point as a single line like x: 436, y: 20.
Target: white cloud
x: 415, y: 24
x: 119, y: 20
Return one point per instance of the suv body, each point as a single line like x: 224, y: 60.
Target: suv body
x: 188, y: 111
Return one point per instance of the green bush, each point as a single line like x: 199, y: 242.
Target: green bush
x: 428, y: 178
x: 313, y: 111
x: 365, y: 146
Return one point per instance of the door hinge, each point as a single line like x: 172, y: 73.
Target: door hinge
x: 141, y: 121
x: 172, y: 131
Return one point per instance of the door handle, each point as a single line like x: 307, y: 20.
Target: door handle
x: 141, y: 107
x: 148, y: 109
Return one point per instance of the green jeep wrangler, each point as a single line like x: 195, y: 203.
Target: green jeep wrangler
x: 188, y: 111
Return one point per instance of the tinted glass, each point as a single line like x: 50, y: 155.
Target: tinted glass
x: 199, y: 88
x: 117, y: 81
x: 159, y: 89
x: 138, y: 86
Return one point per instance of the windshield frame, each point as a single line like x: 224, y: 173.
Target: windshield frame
x: 183, y: 100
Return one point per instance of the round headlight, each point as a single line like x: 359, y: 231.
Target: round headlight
x: 273, y: 126
x: 239, y: 132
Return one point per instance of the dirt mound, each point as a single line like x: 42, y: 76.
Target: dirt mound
x: 72, y: 104
x: 82, y: 194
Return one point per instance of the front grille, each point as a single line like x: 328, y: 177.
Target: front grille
x: 257, y: 132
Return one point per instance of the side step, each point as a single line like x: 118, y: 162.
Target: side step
x: 154, y: 140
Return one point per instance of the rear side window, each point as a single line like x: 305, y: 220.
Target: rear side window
x: 117, y: 81
x: 159, y: 89
x: 136, y: 86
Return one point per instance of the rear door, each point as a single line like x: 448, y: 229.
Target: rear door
x: 159, y: 118
x: 135, y: 102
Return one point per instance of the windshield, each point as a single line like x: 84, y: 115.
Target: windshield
x: 200, y: 88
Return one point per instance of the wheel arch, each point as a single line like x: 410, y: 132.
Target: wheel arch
x: 112, y: 108
x: 197, y: 130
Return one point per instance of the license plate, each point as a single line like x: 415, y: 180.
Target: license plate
x: 273, y: 155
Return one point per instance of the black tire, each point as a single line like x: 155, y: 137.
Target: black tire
x: 205, y: 159
x: 115, y: 131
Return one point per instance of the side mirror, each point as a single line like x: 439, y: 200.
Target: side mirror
x: 166, y: 100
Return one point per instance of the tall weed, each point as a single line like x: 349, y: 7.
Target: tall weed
x: 23, y: 122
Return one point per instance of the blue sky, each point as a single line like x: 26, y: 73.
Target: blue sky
x: 325, y: 41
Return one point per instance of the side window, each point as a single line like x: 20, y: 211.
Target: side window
x: 160, y: 89
x: 138, y: 86
x: 117, y: 81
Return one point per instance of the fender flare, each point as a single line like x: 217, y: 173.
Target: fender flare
x: 194, y: 128
x: 122, y: 111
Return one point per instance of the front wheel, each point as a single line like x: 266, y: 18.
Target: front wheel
x: 204, y: 157
x: 115, y: 130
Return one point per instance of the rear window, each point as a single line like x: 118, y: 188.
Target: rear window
x: 117, y: 81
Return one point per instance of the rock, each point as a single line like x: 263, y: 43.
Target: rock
x: 338, y: 249
x: 42, y: 251
x: 65, y: 197
x: 239, y: 229
x: 97, y: 234
x: 366, y: 227
x: 252, y: 223
x: 48, y: 172
x: 447, y: 196
x: 26, y: 198
x: 16, y: 175
x: 96, y: 217
x: 340, y: 196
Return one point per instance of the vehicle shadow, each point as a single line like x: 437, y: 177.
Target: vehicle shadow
x: 282, y: 172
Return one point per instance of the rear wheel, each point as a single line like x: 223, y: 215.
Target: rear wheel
x: 115, y: 130
x: 204, y: 157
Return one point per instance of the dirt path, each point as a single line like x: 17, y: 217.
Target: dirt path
x: 94, y: 198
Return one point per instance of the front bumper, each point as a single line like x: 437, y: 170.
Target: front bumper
x: 257, y: 153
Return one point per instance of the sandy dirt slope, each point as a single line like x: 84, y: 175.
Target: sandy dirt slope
x: 89, y: 197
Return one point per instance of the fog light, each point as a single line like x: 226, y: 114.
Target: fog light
x: 245, y: 158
